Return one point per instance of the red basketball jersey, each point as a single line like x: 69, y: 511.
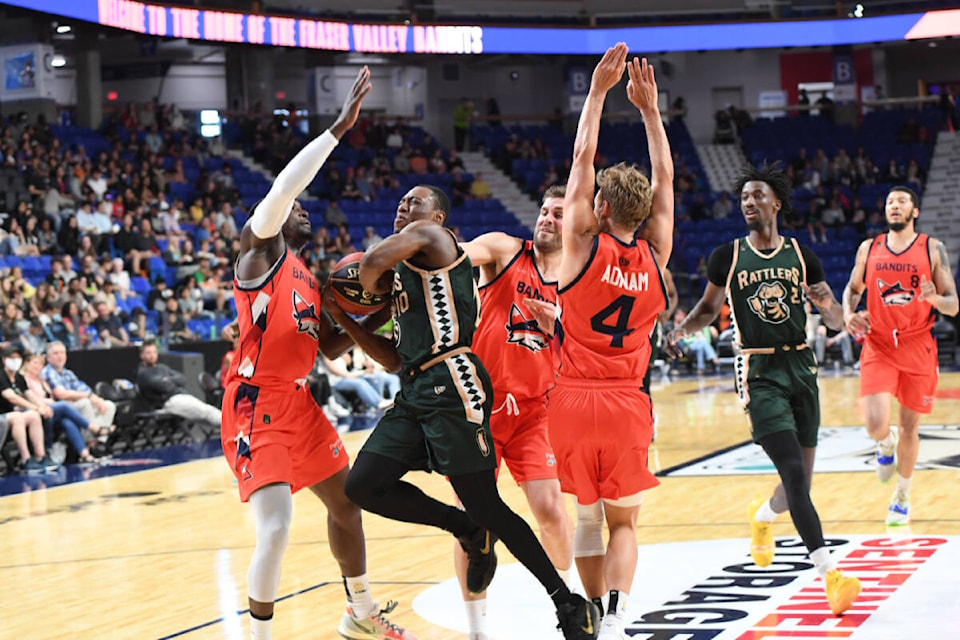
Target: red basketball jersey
x: 609, y: 311
x: 279, y: 319
x: 892, y: 282
x: 511, y: 345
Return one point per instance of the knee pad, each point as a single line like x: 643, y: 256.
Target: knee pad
x: 588, y: 537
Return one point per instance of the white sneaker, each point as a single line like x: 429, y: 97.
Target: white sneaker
x: 611, y: 628
x: 887, y: 458
x: 376, y: 626
x: 899, y: 511
x: 337, y: 409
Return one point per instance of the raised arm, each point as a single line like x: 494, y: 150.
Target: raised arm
x: 580, y: 224
x: 270, y: 214
x: 643, y: 93
x: 942, y: 292
x: 491, y: 252
x: 856, y: 322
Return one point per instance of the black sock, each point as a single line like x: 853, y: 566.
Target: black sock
x: 479, y: 495
x: 599, y: 603
x: 253, y: 615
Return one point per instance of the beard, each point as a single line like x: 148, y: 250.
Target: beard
x: 897, y: 226
x: 755, y: 225
x: 548, y: 245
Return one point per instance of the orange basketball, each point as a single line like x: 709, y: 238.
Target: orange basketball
x: 347, y: 291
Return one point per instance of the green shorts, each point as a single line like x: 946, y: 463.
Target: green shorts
x: 779, y: 392
x: 440, y: 420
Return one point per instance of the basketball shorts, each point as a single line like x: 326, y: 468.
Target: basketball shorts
x: 779, y: 393
x: 274, y: 435
x: 601, y: 433
x: 440, y: 420
x: 519, y: 429
x: 909, y: 372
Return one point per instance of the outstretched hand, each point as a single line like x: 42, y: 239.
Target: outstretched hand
x: 610, y: 68
x: 671, y: 339
x: 351, y: 106
x: 642, y: 86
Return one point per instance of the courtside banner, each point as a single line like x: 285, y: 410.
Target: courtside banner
x: 225, y: 26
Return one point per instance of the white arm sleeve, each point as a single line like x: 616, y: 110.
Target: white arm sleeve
x: 272, y: 212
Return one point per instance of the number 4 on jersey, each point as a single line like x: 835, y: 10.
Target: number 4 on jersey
x: 618, y: 330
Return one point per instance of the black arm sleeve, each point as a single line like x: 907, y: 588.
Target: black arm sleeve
x: 719, y: 263
x: 814, y: 266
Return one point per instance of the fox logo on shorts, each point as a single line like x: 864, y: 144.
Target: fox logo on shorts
x: 524, y: 332
x: 768, y: 303
x: 306, y: 316
x: 335, y: 448
x: 894, y: 294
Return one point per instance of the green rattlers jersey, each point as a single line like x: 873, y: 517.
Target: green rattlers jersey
x: 434, y: 311
x: 766, y: 300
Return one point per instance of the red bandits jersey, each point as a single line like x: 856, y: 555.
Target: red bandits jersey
x: 892, y: 283
x: 609, y: 311
x: 279, y: 317
x: 508, y: 341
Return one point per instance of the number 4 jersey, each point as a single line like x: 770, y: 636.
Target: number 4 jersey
x: 609, y: 311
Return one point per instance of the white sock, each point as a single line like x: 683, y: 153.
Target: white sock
x: 565, y: 576
x: 765, y: 513
x: 361, y: 602
x: 260, y: 629
x: 903, y: 485
x: 476, y: 615
x: 888, y: 441
x: 823, y: 561
x: 617, y: 604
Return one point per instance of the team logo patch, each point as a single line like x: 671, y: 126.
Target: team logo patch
x: 551, y: 460
x: 524, y: 331
x: 894, y: 295
x: 306, y: 316
x: 482, y: 443
x: 768, y: 303
x: 336, y: 448
x: 440, y: 388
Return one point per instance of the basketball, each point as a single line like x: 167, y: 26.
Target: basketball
x: 345, y: 285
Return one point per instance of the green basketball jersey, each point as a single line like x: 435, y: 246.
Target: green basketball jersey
x: 766, y: 300
x: 434, y: 311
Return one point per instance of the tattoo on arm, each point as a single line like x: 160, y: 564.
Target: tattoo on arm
x: 945, y: 267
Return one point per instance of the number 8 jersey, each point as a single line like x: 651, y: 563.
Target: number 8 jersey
x: 609, y: 311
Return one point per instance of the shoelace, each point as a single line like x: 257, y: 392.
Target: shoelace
x: 391, y: 605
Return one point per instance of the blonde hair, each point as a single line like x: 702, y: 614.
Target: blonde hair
x: 628, y: 193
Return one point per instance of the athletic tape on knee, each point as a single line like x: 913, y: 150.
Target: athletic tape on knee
x: 588, y: 538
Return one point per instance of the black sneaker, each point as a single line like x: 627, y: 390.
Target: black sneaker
x: 579, y: 619
x: 482, y: 559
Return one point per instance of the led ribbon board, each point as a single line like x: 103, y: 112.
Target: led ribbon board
x: 278, y: 31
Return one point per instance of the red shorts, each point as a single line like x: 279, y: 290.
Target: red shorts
x: 274, y: 436
x: 887, y: 371
x: 519, y: 429
x: 601, y: 432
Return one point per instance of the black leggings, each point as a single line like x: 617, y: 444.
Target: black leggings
x: 785, y: 452
x: 374, y: 484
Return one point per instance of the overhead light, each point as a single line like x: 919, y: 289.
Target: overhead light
x: 58, y: 61
x: 64, y: 28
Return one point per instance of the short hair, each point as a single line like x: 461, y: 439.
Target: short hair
x: 624, y: 187
x: 773, y: 176
x: 554, y: 191
x: 441, y: 201
x: 53, y: 345
x: 149, y: 342
x: 907, y: 190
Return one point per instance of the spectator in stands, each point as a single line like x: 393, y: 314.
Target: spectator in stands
x: 724, y: 131
x: 334, y: 214
x: 825, y: 107
x: 57, y: 415
x: 343, y: 242
x: 370, y: 238
x: 803, y: 100
x: 144, y: 246
x: 97, y: 183
x: 34, y: 340
x: 462, y: 114
x: 833, y: 215
x: 72, y: 322
x: 26, y: 426
x: 815, y: 222
x: 875, y: 224
x: 165, y: 389
x: 174, y: 328
x: 723, y: 207
x: 109, y: 329
x: 459, y: 189
x: 893, y: 173
x: 914, y: 175
x: 948, y: 107
x: 908, y: 132
x: 479, y: 189
x: 69, y: 236
x: 827, y: 338
x: 346, y: 381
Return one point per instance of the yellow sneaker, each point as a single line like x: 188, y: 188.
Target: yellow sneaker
x: 841, y: 591
x: 762, y: 545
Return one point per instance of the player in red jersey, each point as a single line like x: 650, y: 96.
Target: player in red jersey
x: 611, y: 293
x: 906, y: 276
x: 522, y: 366
x: 275, y: 437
